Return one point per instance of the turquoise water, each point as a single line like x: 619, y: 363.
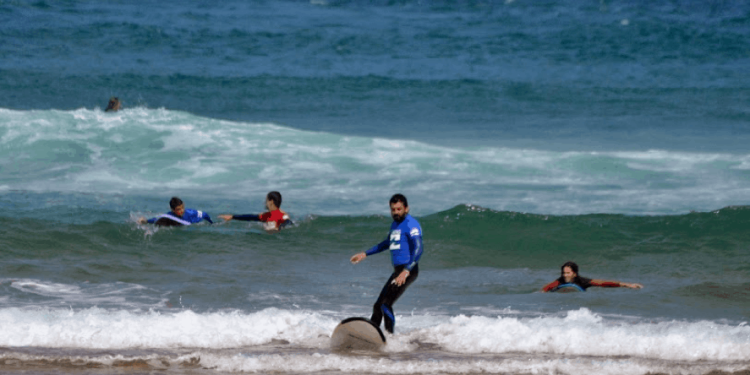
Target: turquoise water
x: 524, y: 135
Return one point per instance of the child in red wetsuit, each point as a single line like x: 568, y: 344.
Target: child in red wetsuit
x: 569, y: 277
x: 273, y: 220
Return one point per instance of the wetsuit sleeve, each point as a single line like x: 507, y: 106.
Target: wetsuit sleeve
x: 605, y: 284
x: 551, y: 286
x: 285, y: 220
x: 379, y: 247
x: 248, y: 217
x: 154, y: 219
x: 415, y: 251
x: 196, y: 216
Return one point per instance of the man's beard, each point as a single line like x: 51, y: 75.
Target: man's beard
x: 398, y: 218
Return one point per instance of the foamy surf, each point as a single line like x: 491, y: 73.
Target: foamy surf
x: 279, y: 359
x: 143, y: 152
x: 505, y: 123
x: 577, y: 333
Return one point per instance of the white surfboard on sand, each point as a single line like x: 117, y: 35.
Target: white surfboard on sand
x: 357, y: 334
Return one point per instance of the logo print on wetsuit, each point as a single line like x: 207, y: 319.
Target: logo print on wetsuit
x: 396, y: 240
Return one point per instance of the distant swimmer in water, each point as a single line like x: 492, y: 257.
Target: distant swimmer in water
x: 113, y: 105
x: 569, y: 278
x: 405, y: 244
x: 273, y: 220
x: 179, y: 215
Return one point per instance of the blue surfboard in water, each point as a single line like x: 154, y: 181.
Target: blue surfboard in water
x: 568, y: 288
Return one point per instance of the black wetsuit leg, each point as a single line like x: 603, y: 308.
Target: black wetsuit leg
x: 388, y: 296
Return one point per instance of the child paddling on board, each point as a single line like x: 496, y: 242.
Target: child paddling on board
x: 569, y: 278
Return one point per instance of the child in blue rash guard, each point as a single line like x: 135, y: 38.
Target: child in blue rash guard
x: 405, y: 243
x: 179, y: 215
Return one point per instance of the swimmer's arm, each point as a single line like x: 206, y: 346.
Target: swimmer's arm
x: 207, y: 217
x: 248, y: 217
x: 196, y: 216
x: 615, y: 284
x: 550, y: 286
x: 287, y: 221
x: 142, y: 220
x: 279, y: 225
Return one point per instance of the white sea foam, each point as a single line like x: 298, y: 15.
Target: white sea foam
x: 46, y: 289
x: 579, y: 333
x: 145, y: 152
x: 102, y: 329
x: 116, y: 294
x: 582, y: 332
x: 318, y: 362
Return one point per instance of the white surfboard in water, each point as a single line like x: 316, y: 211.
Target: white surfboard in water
x: 357, y: 334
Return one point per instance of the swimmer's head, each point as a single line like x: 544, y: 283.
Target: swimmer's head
x: 569, y: 271
x: 113, y: 105
x: 177, y: 206
x: 273, y: 198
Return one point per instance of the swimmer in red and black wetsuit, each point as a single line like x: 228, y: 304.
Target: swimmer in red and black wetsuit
x: 274, y: 219
x: 569, y: 277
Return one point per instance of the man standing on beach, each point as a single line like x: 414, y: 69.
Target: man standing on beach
x: 405, y: 243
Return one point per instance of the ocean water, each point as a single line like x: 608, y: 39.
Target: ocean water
x: 525, y: 134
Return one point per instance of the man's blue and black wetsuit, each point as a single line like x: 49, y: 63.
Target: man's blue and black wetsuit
x: 189, y: 217
x: 405, y: 243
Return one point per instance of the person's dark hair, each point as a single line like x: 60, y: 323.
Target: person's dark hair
x: 175, y: 202
x: 113, y: 105
x: 274, y: 196
x: 399, y: 198
x: 573, y: 267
